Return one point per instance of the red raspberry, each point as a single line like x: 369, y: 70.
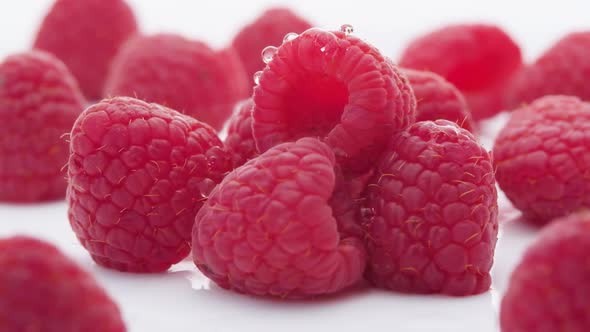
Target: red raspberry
x: 268, y: 29
x: 563, y: 70
x: 43, y: 290
x: 39, y: 102
x: 334, y: 86
x: 542, y: 158
x: 138, y: 174
x: 476, y: 58
x: 86, y: 35
x: 549, y: 290
x: 432, y: 213
x: 490, y: 101
x: 185, y: 75
x: 438, y: 99
x: 268, y: 228
x: 239, y: 138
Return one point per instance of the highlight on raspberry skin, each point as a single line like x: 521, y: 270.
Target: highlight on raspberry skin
x: 138, y: 174
x: 268, y: 229
x: 39, y: 102
x: 438, y: 99
x: 334, y: 86
x: 541, y: 157
x: 183, y: 74
x: 549, y: 289
x: 86, y: 35
x: 43, y: 290
x: 239, y: 140
x: 268, y: 29
x: 479, y: 59
x: 431, y: 213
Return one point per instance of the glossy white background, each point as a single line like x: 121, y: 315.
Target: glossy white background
x: 183, y: 299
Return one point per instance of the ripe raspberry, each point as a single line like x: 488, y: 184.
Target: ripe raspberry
x: 268, y: 29
x: 185, y: 75
x: 432, y: 213
x: 39, y: 102
x: 138, y: 175
x: 542, y: 158
x: 476, y: 58
x: 490, y: 101
x: 334, y: 86
x: 268, y: 228
x: 563, y: 70
x: 549, y: 289
x: 42, y: 290
x: 86, y: 35
x: 438, y: 99
x: 239, y: 138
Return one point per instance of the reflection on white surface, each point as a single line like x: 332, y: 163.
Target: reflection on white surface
x: 185, y: 300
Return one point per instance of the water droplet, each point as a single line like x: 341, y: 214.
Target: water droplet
x: 289, y: 37
x: 257, y: 77
x: 268, y: 53
x: 347, y: 29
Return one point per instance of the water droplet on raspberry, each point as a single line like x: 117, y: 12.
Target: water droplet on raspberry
x: 289, y: 37
x: 347, y: 29
x: 268, y: 53
x: 257, y: 77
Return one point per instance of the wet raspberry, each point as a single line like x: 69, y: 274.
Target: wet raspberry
x: 334, y: 86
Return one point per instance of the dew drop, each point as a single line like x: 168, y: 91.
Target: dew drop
x: 289, y: 37
x: 257, y: 76
x: 347, y: 29
x: 268, y: 53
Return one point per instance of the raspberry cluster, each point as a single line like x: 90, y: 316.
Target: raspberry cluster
x: 338, y: 165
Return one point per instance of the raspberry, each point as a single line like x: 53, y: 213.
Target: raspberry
x: 184, y: 75
x: 39, y: 102
x: 138, y: 175
x: 438, y: 99
x: 563, y: 70
x: 334, y: 86
x: 542, y: 158
x: 490, y: 101
x: 268, y: 29
x: 239, y: 138
x: 549, y: 289
x: 42, y: 290
x: 431, y: 213
x: 86, y: 35
x: 476, y: 58
x: 268, y: 228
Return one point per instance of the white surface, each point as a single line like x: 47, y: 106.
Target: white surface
x: 183, y: 300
